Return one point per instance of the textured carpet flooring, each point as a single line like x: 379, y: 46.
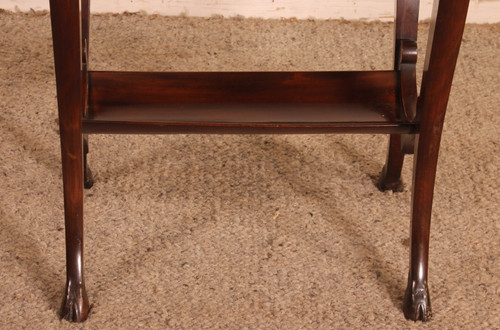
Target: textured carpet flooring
x: 243, y: 231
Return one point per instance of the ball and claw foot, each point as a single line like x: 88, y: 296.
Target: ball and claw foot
x: 75, y: 306
x: 417, y: 304
x: 386, y: 183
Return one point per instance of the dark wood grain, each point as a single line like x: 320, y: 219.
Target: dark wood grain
x: 261, y: 102
x: 67, y: 57
x: 447, y: 26
x: 244, y: 102
x: 234, y: 88
x: 405, y: 60
x: 88, y: 180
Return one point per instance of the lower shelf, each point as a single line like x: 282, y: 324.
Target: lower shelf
x: 244, y: 102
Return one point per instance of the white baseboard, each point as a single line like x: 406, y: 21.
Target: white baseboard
x: 481, y: 11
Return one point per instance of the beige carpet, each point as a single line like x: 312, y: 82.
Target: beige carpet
x: 244, y: 231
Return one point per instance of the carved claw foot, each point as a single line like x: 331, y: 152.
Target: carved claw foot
x: 417, y: 304
x: 75, y: 306
x: 385, y: 183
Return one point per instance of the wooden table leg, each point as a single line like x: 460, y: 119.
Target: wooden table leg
x: 447, y: 25
x: 88, y: 180
x: 405, y: 60
x: 390, y: 178
x: 67, y: 56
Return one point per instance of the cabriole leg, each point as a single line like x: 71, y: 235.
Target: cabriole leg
x: 416, y: 304
x: 67, y: 56
x: 445, y: 36
x: 75, y: 305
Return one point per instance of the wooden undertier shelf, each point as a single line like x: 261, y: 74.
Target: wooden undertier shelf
x: 244, y: 102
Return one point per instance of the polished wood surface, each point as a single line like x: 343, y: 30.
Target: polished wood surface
x: 69, y: 78
x: 244, y: 102
x: 405, y: 63
x: 261, y: 102
x: 445, y: 37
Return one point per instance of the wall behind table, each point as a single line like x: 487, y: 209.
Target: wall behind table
x: 481, y: 11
